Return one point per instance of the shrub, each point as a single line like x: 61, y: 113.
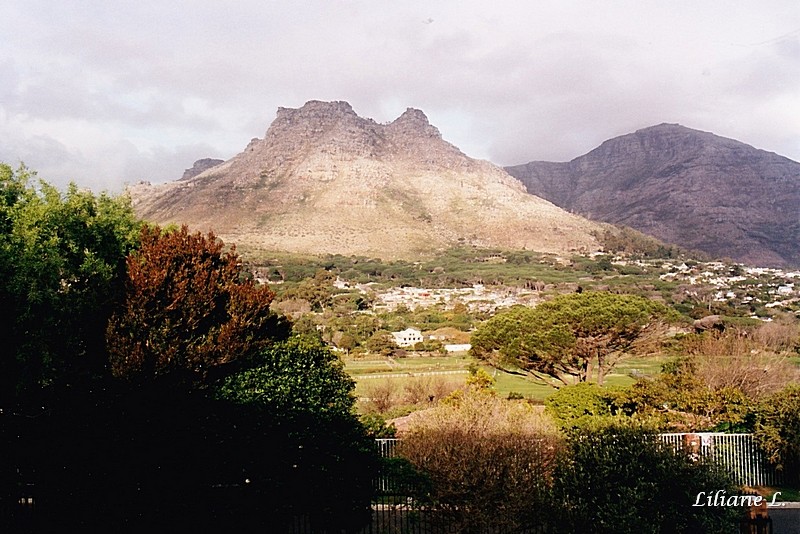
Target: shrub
x: 382, y: 395
x: 377, y: 427
x: 777, y: 429
x: 679, y: 400
x: 424, y: 390
x: 735, y: 360
x: 620, y: 479
x: 576, y: 405
x: 780, y: 336
x: 488, y: 463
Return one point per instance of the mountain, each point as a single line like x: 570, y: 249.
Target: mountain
x: 683, y: 186
x: 199, y: 166
x: 324, y: 180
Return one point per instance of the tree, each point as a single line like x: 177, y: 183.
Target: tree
x: 204, y: 420
x: 381, y: 342
x: 318, y: 291
x: 187, y: 311
x: 62, y: 261
x: 62, y: 265
x: 302, y: 440
x: 561, y: 339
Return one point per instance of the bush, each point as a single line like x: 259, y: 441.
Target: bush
x: 387, y: 394
x: 377, y: 427
x: 777, y: 429
x: 621, y: 479
x: 579, y: 404
x: 679, y: 400
x: 752, y: 365
x: 488, y: 463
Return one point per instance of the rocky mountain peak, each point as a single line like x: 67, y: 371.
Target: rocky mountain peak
x: 316, y: 109
x: 315, y: 117
x: 413, y: 122
x: 201, y: 165
x: 326, y: 180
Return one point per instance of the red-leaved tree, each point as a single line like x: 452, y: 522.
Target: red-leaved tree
x: 187, y: 310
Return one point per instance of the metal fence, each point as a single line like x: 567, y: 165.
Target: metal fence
x: 738, y: 454
x: 393, y: 510
x: 394, y: 513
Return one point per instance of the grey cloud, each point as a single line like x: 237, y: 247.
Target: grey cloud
x: 512, y: 82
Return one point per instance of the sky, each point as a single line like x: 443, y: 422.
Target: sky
x: 110, y: 93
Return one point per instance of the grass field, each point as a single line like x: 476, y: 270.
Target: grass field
x: 382, y: 365
x: 454, y: 368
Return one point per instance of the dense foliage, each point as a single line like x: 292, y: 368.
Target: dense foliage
x: 193, y: 417
x: 302, y: 444
x: 482, y: 463
x: 485, y: 464
x: 581, y: 405
x: 187, y: 310
x: 778, y: 430
x: 62, y: 261
x: 621, y: 479
x: 295, y: 379
x: 680, y: 400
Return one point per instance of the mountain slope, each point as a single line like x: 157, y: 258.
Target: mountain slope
x: 683, y: 186
x: 325, y: 180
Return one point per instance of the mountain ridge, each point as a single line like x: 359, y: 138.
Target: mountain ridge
x: 684, y: 186
x: 324, y: 180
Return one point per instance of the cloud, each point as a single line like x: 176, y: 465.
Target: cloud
x: 108, y: 88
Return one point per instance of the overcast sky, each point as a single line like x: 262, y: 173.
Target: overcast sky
x: 104, y: 93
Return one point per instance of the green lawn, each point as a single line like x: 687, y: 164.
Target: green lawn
x: 505, y: 383
x: 624, y: 372
x: 405, y: 369
x: 412, y: 364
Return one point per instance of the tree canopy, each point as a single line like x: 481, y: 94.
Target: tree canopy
x: 155, y: 365
x: 570, y: 338
x: 62, y: 260
x: 187, y: 309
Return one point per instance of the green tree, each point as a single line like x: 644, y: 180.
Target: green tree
x: 187, y: 310
x: 318, y: 291
x: 303, y: 440
x: 778, y: 430
x: 381, y: 342
x: 563, y: 338
x: 294, y: 377
x: 62, y: 261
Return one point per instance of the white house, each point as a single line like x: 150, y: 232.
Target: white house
x: 407, y: 338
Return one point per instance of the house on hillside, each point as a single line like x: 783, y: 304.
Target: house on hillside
x: 407, y: 338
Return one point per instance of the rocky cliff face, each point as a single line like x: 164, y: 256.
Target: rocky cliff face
x: 201, y: 165
x: 325, y: 180
x: 683, y: 186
